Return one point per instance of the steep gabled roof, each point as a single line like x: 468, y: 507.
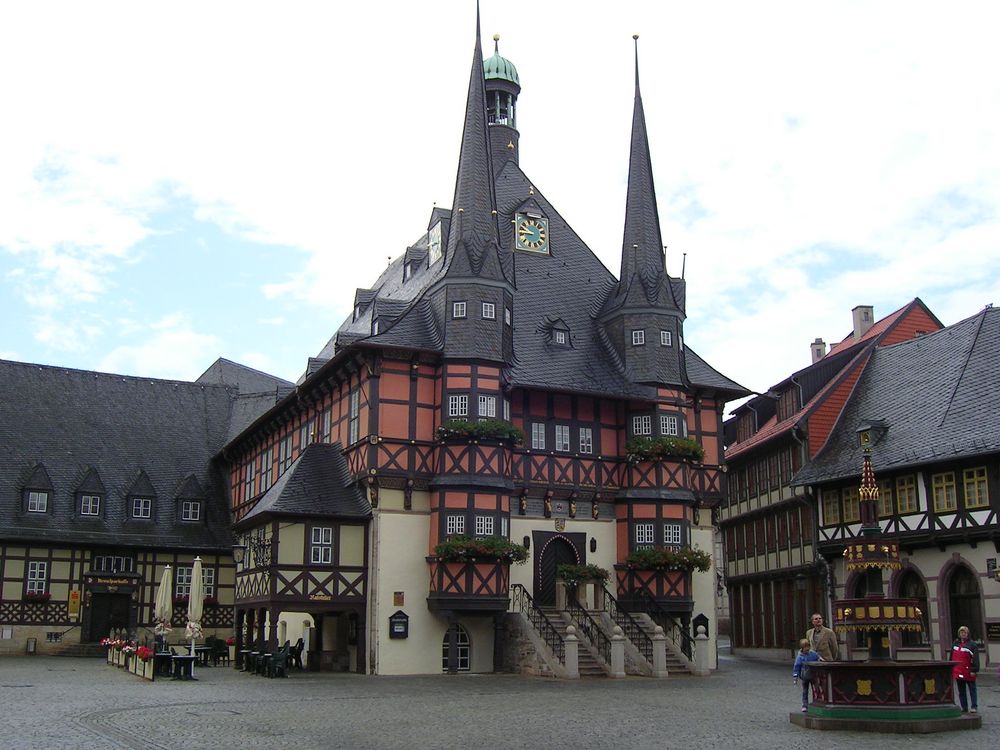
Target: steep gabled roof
x: 317, y: 484
x: 939, y: 395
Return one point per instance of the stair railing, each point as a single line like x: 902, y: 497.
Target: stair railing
x: 521, y: 601
x: 588, y: 625
x: 671, y: 628
x: 629, y: 625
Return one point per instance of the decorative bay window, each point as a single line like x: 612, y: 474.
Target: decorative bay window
x: 487, y: 406
x: 642, y: 425
x: 458, y: 405
x: 673, y: 535
x: 454, y: 524
x: 538, y: 435
x: 644, y: 536
x: 670, y: 425
x: 586, y: 440
x: 484, y: 526
x: 562, y: 437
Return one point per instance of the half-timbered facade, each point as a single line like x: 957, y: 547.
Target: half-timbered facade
x: 774, y: 574
x: 932, y: 406
x: 104, y: 481
x: 497, y: 313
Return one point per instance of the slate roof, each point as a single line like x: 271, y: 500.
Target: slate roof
x: 939, y: 395
x: 317, y: 484
x: 81, y: 430
x: 569, y: 284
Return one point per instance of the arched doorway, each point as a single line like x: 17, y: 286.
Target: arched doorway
x: 463, y: 649
x: 911, y: 586
x: 964, y: 604
x: 554, y: 551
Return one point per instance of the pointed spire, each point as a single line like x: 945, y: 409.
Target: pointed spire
x: 642, y: 248
x: 474, y: 205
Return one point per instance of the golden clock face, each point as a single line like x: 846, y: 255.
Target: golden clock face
x: 531, y: 233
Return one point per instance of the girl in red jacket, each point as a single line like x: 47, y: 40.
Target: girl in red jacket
x: 965, y: 654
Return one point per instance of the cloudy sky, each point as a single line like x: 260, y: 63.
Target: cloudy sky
x: 184, y: 181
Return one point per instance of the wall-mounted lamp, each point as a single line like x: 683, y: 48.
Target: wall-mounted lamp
x: 527, y: 542
x: 593, y: 544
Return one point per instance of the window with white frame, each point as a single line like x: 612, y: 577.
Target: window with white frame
x: 307, y: 434
x: 670, y: 424
x: 90, y: 505
x: 38, y: 502
x: 454, y: 523
x: 487, y: 406
x: 489, y: 311
x: 538, y: 435
x: 38, y: 577
x: 458, y: 405
x: 638, y: 338
x: 354, y: 417
x: 562, y: 437
x: 506, y: 315
x: 504, y: 527
x: 644, y: 535
x: 666, y: 338
x: 458, y: 310
x: 672, y: 535
x: 586, y: 440
x: 142, y: 507
x: 284, y: 454
x: 642, y: 425
x: 190, y: 510
x: 559, y: 337
x: 266, y: 469
x: 248, y: 479
x: 506, y: 409
x: 321, y: 549
x: 182, y: 581
x: 463, y: 650
x: 325, y: 424
x: 484, y: 525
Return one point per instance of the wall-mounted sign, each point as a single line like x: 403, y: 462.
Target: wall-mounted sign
x: 398, y: 598
x: 399, y: 625
x: 993, y: 631
x: 320, y: 597
x: 74, y: 603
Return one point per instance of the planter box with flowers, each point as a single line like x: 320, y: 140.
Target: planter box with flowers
x: 578, y: 581
x: 473, y: 574
x: 40, y: 597
x: 662, y: 461
x: 479, y: 448
x: 661, y: 574
x: 142, y: 663
x: 231, y: 644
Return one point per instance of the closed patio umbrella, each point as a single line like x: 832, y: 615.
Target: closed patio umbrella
x: 195, y: 606
x: 163, y: 607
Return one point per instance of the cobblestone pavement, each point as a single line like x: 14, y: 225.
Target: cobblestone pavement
x: 50, y: 703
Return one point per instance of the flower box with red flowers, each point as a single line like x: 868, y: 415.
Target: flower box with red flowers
x: 210, y: 601
x: 230, y: 641
x: 37, y: 596
x: 180, y: 601
x: 144, y: 653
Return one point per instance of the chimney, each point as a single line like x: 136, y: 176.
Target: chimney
x: 818, y: 349
x: 864, y: 318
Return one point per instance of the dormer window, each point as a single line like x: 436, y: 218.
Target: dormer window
x: 191, y: 510
x: 489, y: 311
x: 142, y: 507
x: 638, y: 338
x: 559, y: 337
x: 38, y: 502
x: 407, y: 272
x: 666, y: 338
x: 90, y: 505
x: 375, y: 328
x: 434, y: 244
x: 458, y: 310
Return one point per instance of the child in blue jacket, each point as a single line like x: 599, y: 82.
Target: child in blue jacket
x: 801, y: 670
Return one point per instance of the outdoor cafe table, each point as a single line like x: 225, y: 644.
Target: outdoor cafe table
x: 183, y: 667
x: 203, y: 652
x: 161, y: 663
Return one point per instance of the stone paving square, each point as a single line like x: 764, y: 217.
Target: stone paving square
x: 52, y: 703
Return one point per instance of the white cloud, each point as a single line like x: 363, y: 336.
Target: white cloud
x: 171, y: 349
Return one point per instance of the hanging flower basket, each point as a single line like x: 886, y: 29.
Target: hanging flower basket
x: 574, y: 574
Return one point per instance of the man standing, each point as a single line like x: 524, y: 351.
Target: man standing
x: 823, y: 640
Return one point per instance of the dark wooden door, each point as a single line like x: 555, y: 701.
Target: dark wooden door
x: 556, y: 552
x: 108, y: 612
x: 964, y: 605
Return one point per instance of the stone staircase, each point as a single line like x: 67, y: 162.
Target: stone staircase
x: 588, y: 664
x: 82, y: 650
x: 675, y: 663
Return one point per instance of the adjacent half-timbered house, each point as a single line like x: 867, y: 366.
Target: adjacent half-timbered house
x: 932, y: 405
x: 105, y: 480
x: 774, y: 574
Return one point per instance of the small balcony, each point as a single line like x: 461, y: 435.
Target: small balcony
x: 468, y: 585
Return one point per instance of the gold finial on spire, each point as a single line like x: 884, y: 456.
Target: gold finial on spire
x: 636, y: 37
x: 496, y: 44
x: 531, y: 189
x: 510, y: 145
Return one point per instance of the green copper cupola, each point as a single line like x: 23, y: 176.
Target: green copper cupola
x: 502, y: 88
